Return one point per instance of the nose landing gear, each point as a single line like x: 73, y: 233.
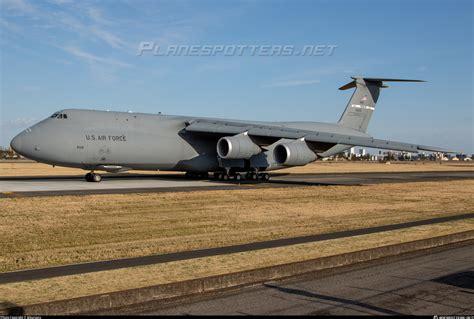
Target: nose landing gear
x: 93, y: 177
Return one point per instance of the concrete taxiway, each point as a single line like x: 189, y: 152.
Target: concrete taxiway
x: 440, y: 282
x: 133, y: 183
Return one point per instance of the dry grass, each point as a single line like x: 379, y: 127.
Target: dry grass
x: 107, y: 281
x: 43, y: 231
x: 37, y: 169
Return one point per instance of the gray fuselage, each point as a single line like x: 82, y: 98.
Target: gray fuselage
x: 117, y: 141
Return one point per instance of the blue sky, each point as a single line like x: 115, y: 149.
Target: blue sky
x: 63, y: 54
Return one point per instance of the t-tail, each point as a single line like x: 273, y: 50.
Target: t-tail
x: 362, y: 103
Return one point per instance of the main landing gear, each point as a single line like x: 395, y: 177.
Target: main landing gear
x: 252, y: 176
x: 93, y: 177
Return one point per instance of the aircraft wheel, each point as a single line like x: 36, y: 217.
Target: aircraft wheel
x: 96, y: 178
x: 253, y: 176
x: 225, y: 177
x: 265, y: 177
x: 88, y: 177
x: 238, y: 177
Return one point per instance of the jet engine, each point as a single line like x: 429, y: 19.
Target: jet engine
x: 239, y: 146
x: 296, y: 153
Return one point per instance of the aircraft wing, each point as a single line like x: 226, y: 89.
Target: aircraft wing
x: 219, y: 127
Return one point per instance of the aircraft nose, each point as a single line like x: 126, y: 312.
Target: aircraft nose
x: 17, y: 142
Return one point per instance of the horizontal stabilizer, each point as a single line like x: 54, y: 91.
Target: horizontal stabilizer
x: 389, y: 80
x: 376, y: 81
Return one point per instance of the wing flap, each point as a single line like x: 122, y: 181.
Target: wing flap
x: 362, y: 141
x: 371, y: 142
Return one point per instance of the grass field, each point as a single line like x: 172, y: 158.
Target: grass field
x: 24, y: 168
x: 44, y: 231
x: 66, y: 287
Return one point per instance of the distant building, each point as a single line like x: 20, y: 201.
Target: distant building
x: 9, y: 153
x: 376, y: 157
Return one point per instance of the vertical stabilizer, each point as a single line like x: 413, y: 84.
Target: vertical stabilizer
x: 362, y: 103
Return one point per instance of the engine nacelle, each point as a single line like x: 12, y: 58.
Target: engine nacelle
x: 239, y: 146
x: 296, y: 153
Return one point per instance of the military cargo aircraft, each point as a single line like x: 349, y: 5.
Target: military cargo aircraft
x: 230, y: 149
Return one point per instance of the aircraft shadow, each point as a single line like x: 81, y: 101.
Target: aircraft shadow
x: 464, y: 279
x: 11, y: 309
x: 318, y: 297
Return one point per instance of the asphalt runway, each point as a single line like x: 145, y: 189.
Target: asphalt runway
x: 135, y: 183
x: 73, y: 269
x: 434, y: 282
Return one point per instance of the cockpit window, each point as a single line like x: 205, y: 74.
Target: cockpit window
x: 59, y: 116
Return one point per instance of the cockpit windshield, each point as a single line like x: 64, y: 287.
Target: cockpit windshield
x: 59, y: 115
